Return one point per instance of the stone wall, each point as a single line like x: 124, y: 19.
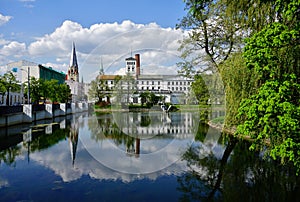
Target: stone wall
x: 30, y: 113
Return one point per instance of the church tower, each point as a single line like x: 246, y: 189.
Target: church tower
x: 73, y: 73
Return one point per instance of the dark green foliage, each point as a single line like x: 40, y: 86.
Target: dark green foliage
x: 273, y: 114
x: 41, y: 90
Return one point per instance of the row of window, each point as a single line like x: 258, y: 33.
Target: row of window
x: 158, y: 82
x: 130, y: 63
x: 158, y: 88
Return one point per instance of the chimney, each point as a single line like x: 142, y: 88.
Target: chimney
x: 138, y: 65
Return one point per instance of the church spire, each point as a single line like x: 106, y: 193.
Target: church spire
x: 73, y: 61
x: 73, y: 73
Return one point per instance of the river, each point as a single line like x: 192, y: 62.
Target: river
x: 136, y: 156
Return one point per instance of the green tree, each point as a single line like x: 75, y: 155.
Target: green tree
x: 64, y: 93
x: 98, y: 89
x: 213, y: 35
x: 273, y: 113
x: 53, y: 90
x: 35, y: 90
x: 240, y: 83
x: 145, y: 97
x: 200, y: 90
x: 9, y: 83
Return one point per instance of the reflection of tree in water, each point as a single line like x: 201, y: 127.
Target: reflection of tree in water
x: 40, y: 141
x: 43, y: 141
x: 104, y: 127
x: 8, y: 156
x: 241, y: 175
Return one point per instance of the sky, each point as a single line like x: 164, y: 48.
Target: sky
x: 104, y: 33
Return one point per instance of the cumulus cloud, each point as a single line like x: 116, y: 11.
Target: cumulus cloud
x: 111, y: 41
x: 4, y: 19
x: 14, y: 48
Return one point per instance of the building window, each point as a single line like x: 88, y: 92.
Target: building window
x: 172, y: 82
x: 152, y: 82
x: 158, y: 82
x: 176, y: 83
x: 111, y: 82
x: 153, y: 88
x: 180, y: 83
x: 168, y: 82
x: 147, y: 82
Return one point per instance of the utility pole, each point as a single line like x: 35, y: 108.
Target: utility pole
x: 28, y: 93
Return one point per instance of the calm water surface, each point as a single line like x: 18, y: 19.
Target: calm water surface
x: 149, y: 156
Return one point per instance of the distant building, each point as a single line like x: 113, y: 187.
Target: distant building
x: 73, y: 73
x: 23, y: 70
x: 78, y: 89
x: 173, y: 88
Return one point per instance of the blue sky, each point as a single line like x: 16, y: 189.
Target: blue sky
x: 42, y: 31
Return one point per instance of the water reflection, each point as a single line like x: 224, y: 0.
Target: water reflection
x: 156, y: 139
x: 239, y: 175
x: 198, y: 162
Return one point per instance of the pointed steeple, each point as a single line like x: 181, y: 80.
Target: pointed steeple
x: 73, y: 61
x: 73, y: 73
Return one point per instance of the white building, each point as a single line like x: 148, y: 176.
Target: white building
x: 78, y: 89
x: 173, y: 88
x: 24, y: 70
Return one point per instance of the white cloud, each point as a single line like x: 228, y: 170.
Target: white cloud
x: 4, y: 19
x: 113, y: 42
x: 13, y: 48
x: 28, y: 3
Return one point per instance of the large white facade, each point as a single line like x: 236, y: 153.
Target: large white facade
x: 23, y: 69
x: 174, y: 88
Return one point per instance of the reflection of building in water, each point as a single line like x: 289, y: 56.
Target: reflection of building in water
x: 130, y: 129
x: 134, y: 150
x: 177, y: 125
x: 73, y: 139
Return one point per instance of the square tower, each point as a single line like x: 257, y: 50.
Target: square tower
x: 130, y: 66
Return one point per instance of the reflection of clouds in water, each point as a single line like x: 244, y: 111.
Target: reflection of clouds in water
x: 3, y: 183
x: 58, y: 159
x: 154, y: 152
x: 157, y: 161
